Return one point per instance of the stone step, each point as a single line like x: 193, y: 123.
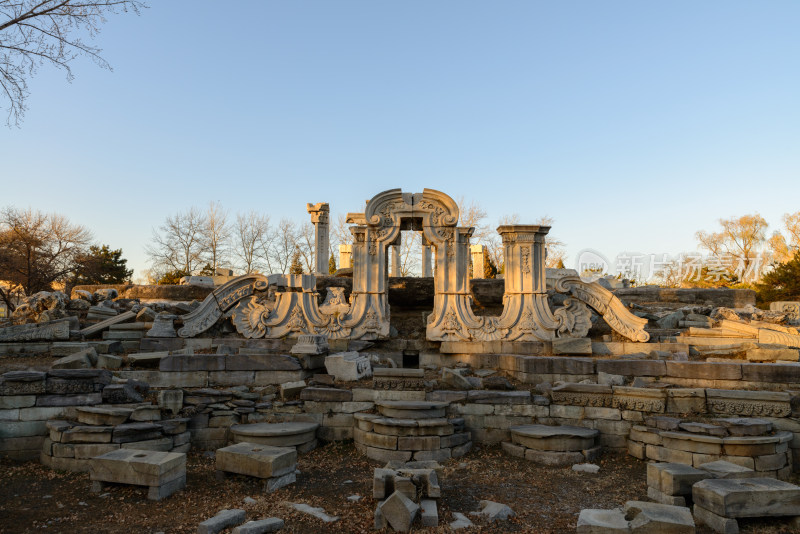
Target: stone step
x: 96, y: 415
x: 554, y: 438
x: 290, y: 434
x: 412, y: 427
x: 412, y: 409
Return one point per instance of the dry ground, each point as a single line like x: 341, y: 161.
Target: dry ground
x: 35, y: 499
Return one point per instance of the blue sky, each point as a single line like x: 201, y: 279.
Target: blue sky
x: 632, y: 124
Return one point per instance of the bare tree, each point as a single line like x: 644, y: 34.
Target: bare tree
x: 410, y: 252
x: 305, y: 246
x: 36, y: 251
x: 283, y: 246
x: 252, y: 236
x: 48, y: 32
x: 740, y: 238
x: 472, y: 214
x: 178, y: 243
x: 553, y: 246
x: 217, y: 233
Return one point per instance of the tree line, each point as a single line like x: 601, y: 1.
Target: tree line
x: 45, y: 251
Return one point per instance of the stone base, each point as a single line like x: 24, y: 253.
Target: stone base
x: 552, y: 458
x: 724, y: 525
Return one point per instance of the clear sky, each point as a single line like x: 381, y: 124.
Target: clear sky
x: 633, y: 124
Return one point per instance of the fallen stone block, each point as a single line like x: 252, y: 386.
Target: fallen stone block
x: 221, y: 521
x: 319, y: 513
x: 261, y: 526
x: 752, y: 497
x: 495, y: 511
x: 646, y: 517
x: 593, y: 521
x: 399, y: 511
x: 429, y: 513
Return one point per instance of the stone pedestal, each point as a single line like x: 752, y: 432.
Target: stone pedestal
x: 301, y: 436
x: 553, y: 445
x: 274, y: 464
x: 163, y: 472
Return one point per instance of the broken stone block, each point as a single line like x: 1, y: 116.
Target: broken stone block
x: 495, y: 511
x: 310, y: 344
x: 291, y: 390
x: 429, y: 513
x: 461, y: 521
x: 221, y: 521
x: 751, y: 497
x: 170, y: 400
x: 723, y: 525
x: 348, y: 366
x: 262, y: 461
x: 647, y: 517
x: 109, y: 361
x: 674, y: 478
x: 319, y: 513
x: 98, y: 415
x: 163, y: 472
x: 455, y: 380
x: 399, y: 511
x: 586, y: 468
x: 723, y: 469
x: 163, y: 326
x: 83, y: 359
x: 593, y: 521
x: 271, y: 524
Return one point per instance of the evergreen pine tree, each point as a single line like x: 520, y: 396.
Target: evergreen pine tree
x: 332, y: 265
x: 781, y: 283
x: 489, y: 268
x: 296, y: 267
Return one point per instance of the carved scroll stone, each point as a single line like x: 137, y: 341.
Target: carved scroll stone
x: 57, y: 330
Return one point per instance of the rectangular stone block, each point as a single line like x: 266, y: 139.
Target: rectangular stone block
x: 772, y: 373
x: 705, y: 370
x: 662, y: 454
x: 192, y: 362
x: 262, y: 461
x: 139, y: 467
x: 21, y: 429
x: 752, y: 497
x: 261, y: 362
x: 632, y: 367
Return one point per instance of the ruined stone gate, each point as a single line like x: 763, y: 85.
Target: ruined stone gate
x: 280, y: 305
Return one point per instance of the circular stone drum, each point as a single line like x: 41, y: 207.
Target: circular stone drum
x: 275, y: 434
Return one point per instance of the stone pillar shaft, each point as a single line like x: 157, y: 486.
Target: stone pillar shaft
x: 345, y: 256
x: 320, y: 217
x: 426, y: 261
x: 477, y: 261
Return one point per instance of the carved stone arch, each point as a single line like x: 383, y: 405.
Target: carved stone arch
x: 386, y: 213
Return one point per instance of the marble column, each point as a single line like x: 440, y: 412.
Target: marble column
x: 345, y: 256
x: 320, y: 216
x: 426, y: 261
x: 477, y: 261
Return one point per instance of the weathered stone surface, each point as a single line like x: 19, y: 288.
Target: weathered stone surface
x: 705, y: 370
x: 455, y: 380
x: 139, y: 467
x: 412, y: 409
x: 326, y: 394
x: 429, y: 513
x: 261, y: 362
x: 260, y: 526
x: 275, y: 434
x: 571, y: 345
x: 674, y: 479
x: 170, y: 400
x: 129, y: 432
x: 163, y: 326
x: 495, y: 511
x: 109, y: 361
x: 47, y: 331
x: 224, y: 519
x: 725, y: 469
x: 319, y: 513
x: 90, y: 415
x: 632, y: 367
x: 647, y: 517
x: 746, y: 426
x: 723, y: 525
x: 121, y: 394
x: 752, y: 497
x: 69, y: 400
x: 348, y: 366
x: 554, y: 438
x: 399, y: 511
x: 262, y: 461
x: 748, y: 403
x: 593, y: 521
